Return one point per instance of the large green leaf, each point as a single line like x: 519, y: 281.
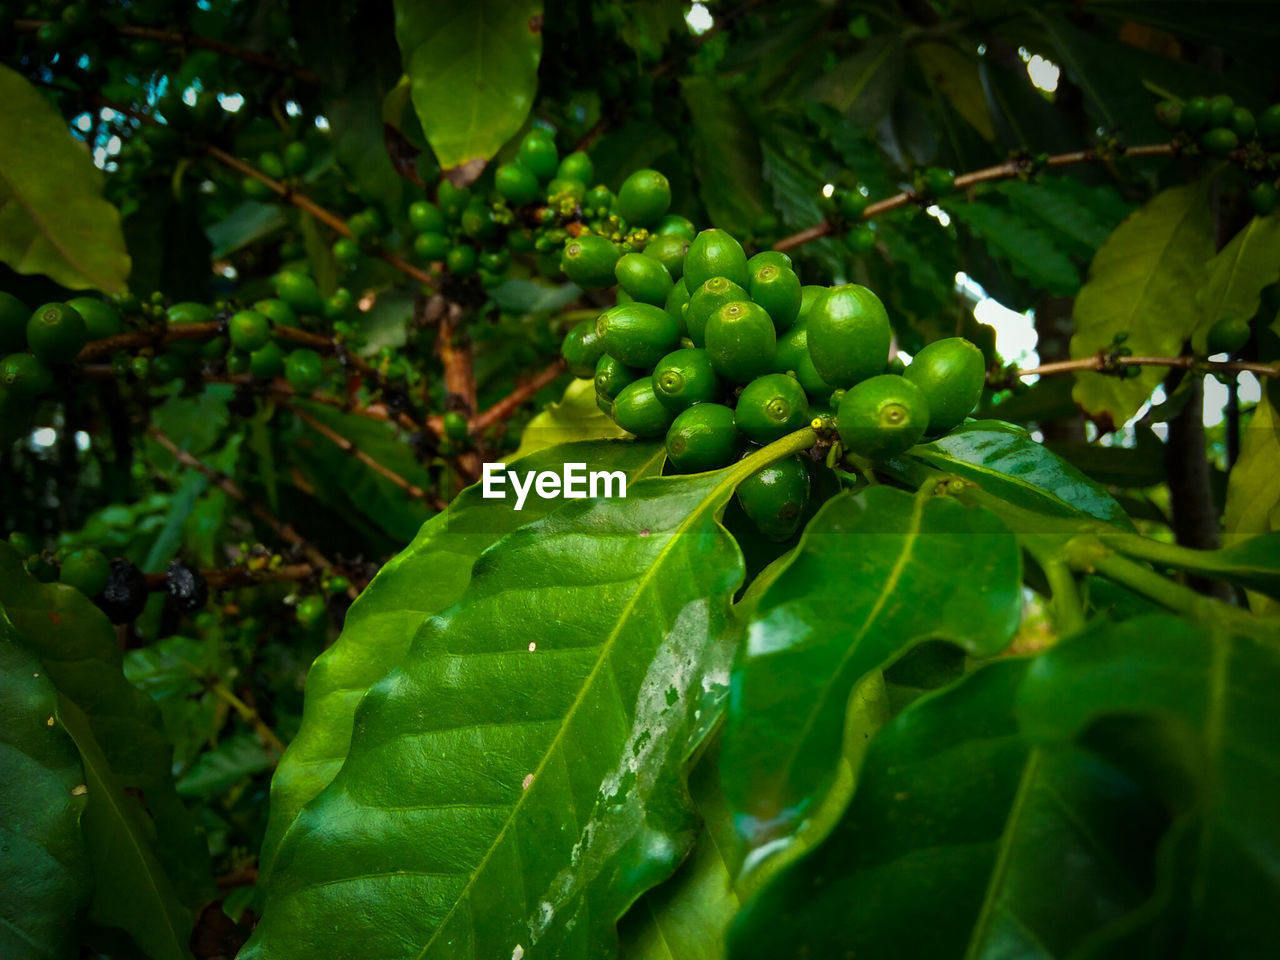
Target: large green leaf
x: 1236, y: 275
x: 1030, y: 252
x: 1003, y: 460
x: 44, y: 872
x: 1079, y: 215
x: 425, y: 578
x: 875, y: 573
x: 576, y: 416
x: 517, y: 782
x: 473, y: 71
x: 726, y: 155
x: 53, y: 219
x: 956, y: 75
x: 1142, y: 283
x: 963, y: 841
x: 149, y: 865
x: 862, y: 86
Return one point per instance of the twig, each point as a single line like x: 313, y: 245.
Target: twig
x: 241, y: 576
x: 175, y: 38
x: 523, y: 392
x: 346, y: 445
x: 1103, y: 362
x: 1001, y: 171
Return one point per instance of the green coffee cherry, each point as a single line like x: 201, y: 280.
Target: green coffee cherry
x: 637, y: 410
x: 685, y: 377
x: 849, y: 335
x: 304, y: 370
x: 13, y: 323
x: 561, y: 187
x: 669, y: 250
x: 611, y: 376
x: 775, y: 497
x: 23, y: 544
x: 249, y: 330
x: 582, y: 349
x: 638, y: 334
x: 809, y: 295
x: 770, y: 407
x: 310, y: 610
x: 167, y: 367
x: 643, y: 278
x: 706, y: 300
x: 1169, y: 114
x: 576, y: 166
x: 25, y: 376
x: 644, y: 197
x: 1220, y: 109
x: 56, y: 332
x: 775, y: 257
x: 426, y: 217
x: 950, y: 374
x: 740, y: 340
x: 1195, y: 114
x: 267, y: 361
x: 455, y: 427
x: 704, y: 437
x: 299, y: 291
x: 1269, y: 126
x: 237, y: 363
x: 452, y: 200
x: 1243, y: 123
x: 477, y: 221
x: 853, y: 204
x: 346, y: 250
x: 860, y: 240
x: 431, y: 246
x: 674, y: 225
x: 589, y: 261
x: 1219, y: 141
x: 677, y: 300
x: 1262, y: 197
x: 461, y: 259
x: 86, y: 570
x: 538, y: 154
x: 1228, y: 335
x: 777, y: 289
x: 100, y: 319
x: 517, y: 184
x: 882, y: 417
x: 715, y: 253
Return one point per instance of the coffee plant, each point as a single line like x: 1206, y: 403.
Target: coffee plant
x: 541, y: 480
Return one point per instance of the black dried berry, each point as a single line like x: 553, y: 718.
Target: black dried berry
x: 186, y: 587
x: 125, y: 594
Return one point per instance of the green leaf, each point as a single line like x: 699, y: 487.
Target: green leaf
x: 575, y: 417
x: 518, y: 295
x: 945, y: 849
x: 1143, y: 283
x: 44, y: 869
x: 956, y: 75
x: 516, y: 783
x: 874, y: 575
x: 1207, y: 739
x: 425, y: 578
x: 218, y: 770
x: 149, y: 864
x: 473, y: 69
x: 245, y: 224
x: 1003, y: 460
x: 726, y: 155
x: 53, y: 219
x: 1081, y: 216
x: 1253, y: 500
x: 1031, y: 253
x: 862, y: 86
x: 1251, y: 562
x: 1236, y: 275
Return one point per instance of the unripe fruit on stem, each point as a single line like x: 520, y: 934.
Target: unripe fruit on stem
x: 1219, y: 141
x: 461, y: 259
x: 740, y: 340
x: 310, y: 610
x: 849, y: 335
x: 304, y: 370
x: 1220, y: 108
x: 346, y: 250
x: 775, y: 496
x: 516, y: 184
x: 951, y: 374
x: 576, y: 166
x: 637, y: 410
x: 1243, y: 123
x: 853, y: 204
x: 100, y: 319
x: 25, y: 376
x: 643, y: 278
x: 765, y: 257
x: 267, y: 362
x: 1169, y: 114
x: 1269, y: 126
x: 1228, y: 335
x: 705, y: 300
x: 452, y: 200
x: 582, y: 349
x: 1195, y: 114
x: 249, y: 330
x: 538, y: 154
x: 611, y: 376
x: 882, y: 417
x: 677, y: 301
x: 644, y: 197
x: 676, y: 226
x: 431, y: 246
x: 589, y: 261
x: 704, y: 437
x: 685, y: 377
x: 425, y: 217
x: 167, y: 367
x: 55, y: 333
x: 638, y: 334
x: 455, y: 427
x: 770, y: 407
x: 809, y: 295
x: 715, y: 253
x: 1262, y: 197
x: 296, y: 157
x: 299, y: 291
x: 777, y: 289
x: 669, y: 250
x: 86, y: 570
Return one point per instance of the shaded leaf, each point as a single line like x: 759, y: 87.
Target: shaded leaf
x: 1030, y: 252
x: 1143, y: 283
x: 219, y: 769
x: 44, y: 871
x: 1235, y: 277
x: 873, y: 576
x: 956, y: 75
x: 425, y: 578
x: 53, y: 219
x: 726, y: 155
x: 516, y: 782
x: 473, y: 71
x: 1079, y: 215
x: 245, y: 224
x: 532, y: 296
x: 1253, y: 500
x: 862, y: 86
x: 575, y: 417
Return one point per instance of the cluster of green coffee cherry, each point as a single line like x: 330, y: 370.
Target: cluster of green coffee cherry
x: 720, y: 353
x: 844, y: 206
x: 1219, y: 127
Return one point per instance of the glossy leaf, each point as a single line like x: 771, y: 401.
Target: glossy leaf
x: 1029, y: 251
x: 473, y: 70
x: 1253, y: 501
x: 575, y: 417
x: 862, y: 86
x: 956, y: 75
x: 1003, y: 460
x: 422, y: 580
x: 44, y: 871
x: 946, y: 849
x: 726, y: 155
x: 1142, y: 283
x: 516, y: 782
x: 873, y: 576
x: 53, y: 219
x: 1250, y: 562
x: 1235, y: 276
x: 149, y: 865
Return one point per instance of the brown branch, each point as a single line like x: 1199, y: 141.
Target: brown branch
x: 1001, y: 171
x: 241, y: 576
x: 348, y: 446
x: 95, y: 349
x: 284, y: 531
x: 1103, y: 362
x: 523, y: 392
x: 175, y: 38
